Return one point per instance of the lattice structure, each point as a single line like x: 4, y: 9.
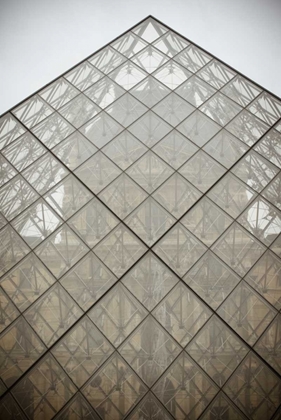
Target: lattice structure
x: 140, y: 200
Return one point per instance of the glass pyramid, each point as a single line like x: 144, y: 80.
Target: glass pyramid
x: 140, y: 200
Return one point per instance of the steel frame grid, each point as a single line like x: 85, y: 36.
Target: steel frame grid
x: 157, y: 240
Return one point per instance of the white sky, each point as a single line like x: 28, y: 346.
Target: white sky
x: 40, y: 39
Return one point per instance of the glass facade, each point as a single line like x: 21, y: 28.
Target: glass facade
x: 140, y: 200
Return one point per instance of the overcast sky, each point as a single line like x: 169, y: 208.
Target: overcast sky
x: 39, y: 39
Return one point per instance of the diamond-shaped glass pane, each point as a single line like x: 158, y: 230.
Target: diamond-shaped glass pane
x: 247, y: 313
x: 8, y: 311
x: 273, y: 191
x: 216, y: 73
x: 149, y: 59
x: 206, y: 221
x: 211, y: 279
x: 222, y: 407
x: 195, y: 91
x: 150, y: 129
x: 122, y: 196
x: 9, y: 409
x: 149, y: 350
x: 114, y: 389
x: 88, y: 281
x: 182, y: 314
x: 82, y: 351
x: 171, y: 44
x: 149, y: 408
x: 185, y: 389
x: 107, y: 60
x: 179, y: 249
x: 10, y: 130
x: 120, y: 250
x: 83, y: 76
x: 247, y: 127
x: 270, y: 147
x: 149, y: 280
x: 127, y: 75
x: 59, y: 93
x: 199, y: 128
x: 129, y: 44
x: 193, y: 58
x: 77, y: 409
x: 150, y: 30
x: 149, y: 171
x: 220, y: 109
x: 79, y: 110
x: 150, y: 91
x: 149, y: 221
x: 104, y: 92
x: 241, y: 90
x: 97, y: 172
x: 53, y: 314
x: 101, y: 129
x: 126, y: 109
x: 32, y: 111
x: 117, y: 314
x: 267, y: 108
x: 61, y: 250
x: 254, y: 388
x: 7, y: 171
x: 217, y: 350
x: 12, y: 249
x: 238, y: 249
x: 173, y: 109
x: 172, y: 74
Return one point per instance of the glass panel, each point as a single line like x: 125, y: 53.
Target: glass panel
x: 270, y: 147
x: 222, y: 407
x: 232, y: 195
x: 220, y: 109
x: 44, y: 390
x: 265, y: 277
x: 24, y: 151
x: 68, y: 196
x: 126, y: 109
x: 88, y: 281
x: 117, y: 314
x: 255, y: 171
x: 202, y: 171
x: 9, y: 409
x: 182, y: 314
x: 74, y: 150
x: 268, y: 345
x: 195, y: 91
x: 122, y: 196
x: 149, y: 350
x: 77, y: 409
x: 120, y: 250
x: 121, y: 386
x: 267, y: 108
x: 79, y: 110
x: 27, y: 282
x: 216, y: 73
x: 104, y: 92
x: 177, y: 195
x: 150, y: 91
x: 149, y: 280
x: 59, y: 93
x: 175, y: 149
x: 225, y: 148
x: 82, y: 351
x: 61, y: 251
x: 127, y: 75
x: 32, y: 111
x: 262, y: 220
x: 53, y: 314
x: 149, y: 408
x: 6, y: 170
x: 93, y: 222
x: 211, y: 279
x: 276, y: 246
x: 193, y: 58
x: 150, y: 30
x: 20, y: 348
x: 179, y: 249
x: 254, y: 388
x: 12, y: 249
x: 217, y: 350
x: 241, y: 90
x: 149, y: 59
x: 199, y: 128
x: 83, y: 76
x: 149, y: 221
x: 10, y: 130
x: 36, y: 223
x: 101, y: 129
x: 124, y: 150
x: 172, y: 74
x: 247, y: 127
x: 45, y: 173
x: 173, y: 109
x: 273, y: 191
x: 97, y: 172
x: 247, y: 313
x: 8, y: 311
x: 129, y: 44
x: 206, y: 221
x: 171, y: 44
x: 107, y: 59
x: 184, y: 389
x: 149, y: 171
x: 238, y: 249
x: 149, y: 129
x: 15, y: 196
